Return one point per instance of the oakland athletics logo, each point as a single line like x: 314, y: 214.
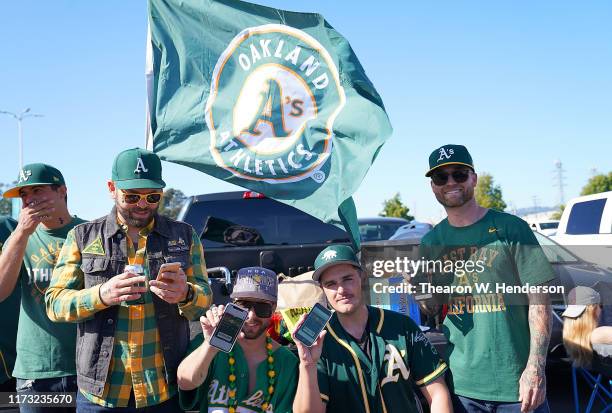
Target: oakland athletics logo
x: 275, y: 94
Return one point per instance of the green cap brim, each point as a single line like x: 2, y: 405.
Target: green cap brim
x: 428, y: 174
x: 14, y: 192
x: 317, y: 273
x: 140, y: 184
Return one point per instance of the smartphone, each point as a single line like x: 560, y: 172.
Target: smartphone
x: 315, y: 322
x: 225, y: 334
x: 169, y: 267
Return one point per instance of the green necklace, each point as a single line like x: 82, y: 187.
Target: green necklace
x: 232, y: 402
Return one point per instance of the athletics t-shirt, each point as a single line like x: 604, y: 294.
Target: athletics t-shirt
x: 487, y: 330
x: 44, y: 349
x: 212, y: 395
x: 382, y: 379
x: 9, y: 313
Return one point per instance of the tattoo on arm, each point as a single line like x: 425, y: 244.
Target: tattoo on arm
x: 540, y: 326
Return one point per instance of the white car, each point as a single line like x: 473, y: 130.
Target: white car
x: 586, y: 228
x: 413, y: 230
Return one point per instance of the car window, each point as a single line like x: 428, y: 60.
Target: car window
x: 585, y: 217
x: 553, y: 251
x: 257, y: 222
x: 377, y: 232
x: 549, y: 225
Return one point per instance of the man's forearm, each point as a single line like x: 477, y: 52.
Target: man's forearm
x: 11, y: 261
x: 540, y: 326
x: 307, y: 396
x: 194, y: 368
x: 72, y: 306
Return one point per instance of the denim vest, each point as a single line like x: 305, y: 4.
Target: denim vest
x: 95, y: 336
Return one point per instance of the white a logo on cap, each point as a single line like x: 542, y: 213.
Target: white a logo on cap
x: 445, y: 154
x: 24, y: 175
x: 140, y: 167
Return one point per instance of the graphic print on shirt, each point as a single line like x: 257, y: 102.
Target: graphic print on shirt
x: 41, y: 268
x: 219, y: 395
x: 395, y: 362
x: 483, y: 298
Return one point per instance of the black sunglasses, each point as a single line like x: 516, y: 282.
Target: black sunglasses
x: 441, y: 178
x: 261, y: 310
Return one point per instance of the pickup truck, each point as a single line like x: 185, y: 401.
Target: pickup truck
x: 585, y: 228
x: 244, y: 229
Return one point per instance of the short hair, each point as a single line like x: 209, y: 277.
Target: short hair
x: 56, y: 187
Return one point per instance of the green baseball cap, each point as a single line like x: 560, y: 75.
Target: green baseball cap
x: 137, y: 168
x: 35, y: 174
x: 334, y: 255
x: 449, y: 155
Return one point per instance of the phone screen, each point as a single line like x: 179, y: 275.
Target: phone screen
x: 229, y: 327
x: 315, y: 322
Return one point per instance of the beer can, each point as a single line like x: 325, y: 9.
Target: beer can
x: 137, y: 269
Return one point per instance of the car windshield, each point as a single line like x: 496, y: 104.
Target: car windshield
x: 378, y: 231
x: 554, y: 252
x: 249, y: 222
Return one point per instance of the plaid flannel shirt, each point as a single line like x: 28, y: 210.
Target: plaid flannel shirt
x: 137, y: 363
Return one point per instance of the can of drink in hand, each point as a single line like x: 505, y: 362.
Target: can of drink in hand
x: 137, y: 269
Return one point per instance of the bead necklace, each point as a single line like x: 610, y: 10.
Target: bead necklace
x: 232, y: 402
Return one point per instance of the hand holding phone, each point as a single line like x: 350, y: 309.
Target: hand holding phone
x: 222, y: 325
x: 169, y: 268
x: 308, y: 331
x: 309, y: 354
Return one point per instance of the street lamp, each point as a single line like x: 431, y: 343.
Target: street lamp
x: 25, y: 114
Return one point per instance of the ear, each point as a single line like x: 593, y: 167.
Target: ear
x: 62, y: 190
x: 112, y: 189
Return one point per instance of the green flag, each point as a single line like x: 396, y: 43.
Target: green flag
x: 270, y: 100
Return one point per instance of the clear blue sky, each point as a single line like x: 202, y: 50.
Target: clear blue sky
x: 520, y: 83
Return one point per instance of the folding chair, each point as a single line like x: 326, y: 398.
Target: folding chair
x: 601, y: 389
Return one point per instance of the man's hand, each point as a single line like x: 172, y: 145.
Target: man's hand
x: 171, y: 284
x: 532, y: 388
x: 309, y: 356
x: 122, y: 287
x: 33, y: 214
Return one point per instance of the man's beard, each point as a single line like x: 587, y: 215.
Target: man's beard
x: 466, y: 195
x: 131, y: 220
x: 252, y: 335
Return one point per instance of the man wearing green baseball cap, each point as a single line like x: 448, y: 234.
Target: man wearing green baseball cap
x: 384, y: 351
x: 45, y: 351
x: 503, y: 337
x: 131, y: 280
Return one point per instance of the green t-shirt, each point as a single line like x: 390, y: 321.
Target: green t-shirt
x: 488, y: 330
x: 400, y: 358
x: 44, y: 349
x: 9, y: 310
x: 212, y: 395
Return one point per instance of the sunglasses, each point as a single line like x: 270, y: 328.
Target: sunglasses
x: 261, y: 310
x: 132, y: 199
x: 459, y: 176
